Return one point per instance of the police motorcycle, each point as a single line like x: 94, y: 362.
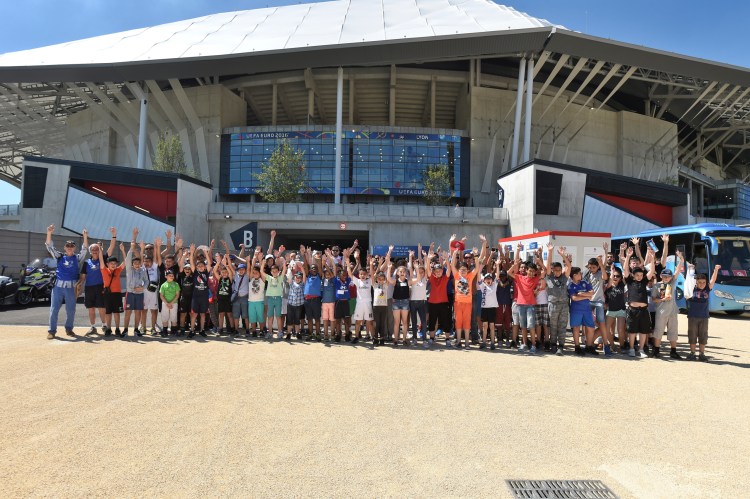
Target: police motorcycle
x: 37, y: 281
x: 8, y: 288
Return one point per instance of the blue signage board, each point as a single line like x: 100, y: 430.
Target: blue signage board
x: 398, y: 250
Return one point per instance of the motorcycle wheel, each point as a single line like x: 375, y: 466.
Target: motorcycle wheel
x: 24, y: 297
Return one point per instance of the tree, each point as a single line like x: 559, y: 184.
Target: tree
x: 169, y: 155
x: 437, y: 185
x: 284, y: 176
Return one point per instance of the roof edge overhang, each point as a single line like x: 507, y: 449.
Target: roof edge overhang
x: 385, y: 52
x: 603, y: 49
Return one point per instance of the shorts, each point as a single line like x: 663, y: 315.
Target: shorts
x: 327, y: 310
x: 698, y: 330
x: 439, y: 314
x: 581, y: 318
x: 294, y: 314
x: 313, y: 308
x: 363, y: 311
x: 503, y: 316
x: 238, y: 307
x: 619, y: 314
x: 341, y: 309
x: 185, y: 301
x: 255, y: 312
x: 515, y: 314
x: 274, y: 306
x: 199, y: 304
x: 400, y: 305
x: 598, y: 309
x: 168, y: 315
x: 134, y: 301
x: 638, y: 320
x: 224, y: 305
x: 113, y: 303
x: 93, y: 296
x: 150, y: 300
x: 542, y: 315
x: 527, y: 316
x: 462, y: 312
x: 489, y: 315
x: 668, y: 322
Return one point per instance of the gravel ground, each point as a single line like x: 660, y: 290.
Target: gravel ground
x: 252, y: 418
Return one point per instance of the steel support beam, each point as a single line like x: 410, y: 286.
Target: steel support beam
x: 517, y: 122
x: 339, y: 131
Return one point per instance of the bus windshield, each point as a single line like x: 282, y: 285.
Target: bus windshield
x: 734, y: 258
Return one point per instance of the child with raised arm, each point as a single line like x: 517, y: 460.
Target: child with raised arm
x: 273, y: 296
x: 363, y: 309
x: 697, y: 293
x: 400, y: 305
x: 464, y: 294
x: 112, y: 291
x: 558, y: 300
x: 199, y: 304
x: 223, y: 275
x: 526, y: 299
x: 135, y: 283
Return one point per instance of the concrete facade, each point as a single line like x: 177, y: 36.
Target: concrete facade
x: 55, y: 194
x: 192, y: 207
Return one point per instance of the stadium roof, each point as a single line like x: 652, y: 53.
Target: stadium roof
x: 56, y: 81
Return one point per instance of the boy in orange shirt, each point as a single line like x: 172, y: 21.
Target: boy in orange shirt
x: 463, y: 280
x: 112, y: 291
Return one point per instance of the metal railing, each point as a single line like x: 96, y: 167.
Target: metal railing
x: 359, y: 210
x: 9, y: 210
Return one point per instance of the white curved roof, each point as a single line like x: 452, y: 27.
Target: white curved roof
x: 282, y: 28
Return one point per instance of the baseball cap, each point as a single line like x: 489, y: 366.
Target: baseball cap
x: 241, y: 266
x: 268, y: 256
x: 667, y: 272
x: 503, y: 273
x: 168, y: 272
x: 488, y: 276
x: 298, y: 274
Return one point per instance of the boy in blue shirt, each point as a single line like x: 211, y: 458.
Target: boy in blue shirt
x: 580, y: 293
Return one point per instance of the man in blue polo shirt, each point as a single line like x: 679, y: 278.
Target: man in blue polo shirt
x: 67, y: 275
x: 313, y: 290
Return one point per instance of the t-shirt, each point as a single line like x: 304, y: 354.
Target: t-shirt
x: 381, y: 296
x: 557, y: 289
x: 698, y: 303
x: 169, y: 291
x: 462, y: 286
x: 525, y: 286
x: 186, y: 283
x: 328, y: 291
x: 595, y: 279
x: 504, y: 292
x: 438, y: 289
x: 200, y: 281
x: 667, y: 307
x: 256, y: 290
x: 111, y: 279
x: 342, y: 288
x: 91, y: 269
x: 313, y: 285
x: 153, y: 272
x: 489, y: 294
x: 418, y: 290
x: 577, y: 287
x: 240, y: 283
x: 274, y: 285
x: 364, y: 287
x: 636, y: 290
x: 615, y: 297
x: 225, y: 287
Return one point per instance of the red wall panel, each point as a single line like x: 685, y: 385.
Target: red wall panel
x: 162, y: 204
x: 657, y: 213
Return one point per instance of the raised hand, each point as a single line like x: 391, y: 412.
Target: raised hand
x: 519, y: 246
x: 273, y: 233
x: 550, y: 247
x: 629, y: 251
x: 135, y: 233
x: 717, y: 268
x: 635, y: 240
x: 605, y: 246
x: 390, y: 248
x: 122, y: 248
x: 623, y: 246
x: 282, y: 248
x: 168, y: 233
x: 113, y: 231
x: 665, y: 238
x: 453, y: 238
x: 85, y: 232
x: 242, y: 246
x: 224, y: 244
x: 482, y: 238
x: 51, y: 229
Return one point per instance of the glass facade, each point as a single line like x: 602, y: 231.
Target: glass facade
x: 728, y: 201
x: 379, y: 163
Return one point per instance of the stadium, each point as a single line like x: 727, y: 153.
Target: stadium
x: 540, y: 127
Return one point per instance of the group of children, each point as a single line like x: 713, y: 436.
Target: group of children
x: 482, y: 296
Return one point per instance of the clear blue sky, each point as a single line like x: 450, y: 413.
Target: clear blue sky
x: 710, y: 30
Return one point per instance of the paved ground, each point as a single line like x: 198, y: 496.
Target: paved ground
x: 251, y: 418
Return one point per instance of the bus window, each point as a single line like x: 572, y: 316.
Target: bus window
x: 700, y: 258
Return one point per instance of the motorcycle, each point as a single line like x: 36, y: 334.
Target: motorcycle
x: 8, y: 288
x: 37, y: 281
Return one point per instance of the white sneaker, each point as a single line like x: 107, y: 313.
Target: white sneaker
x: 643, y: 355
x: 631, y: 353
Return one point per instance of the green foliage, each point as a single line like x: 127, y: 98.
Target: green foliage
x: 437, y: 185
x: 169, y: 155
x: 284, y: 176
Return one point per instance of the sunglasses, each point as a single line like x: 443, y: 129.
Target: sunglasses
x: 616, y: 277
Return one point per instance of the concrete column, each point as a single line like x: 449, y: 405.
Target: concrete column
x: 527, y: 123
x: 517, y: 124
x: 339, y: 118
x: 690, y: 196
x: 274, y: 99
x: 700, y: 201
x: 143, y: 130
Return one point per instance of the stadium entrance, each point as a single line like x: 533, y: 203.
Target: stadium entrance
x: 321, y: 239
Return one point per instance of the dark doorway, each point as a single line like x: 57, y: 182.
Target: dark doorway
x: 319, y: 239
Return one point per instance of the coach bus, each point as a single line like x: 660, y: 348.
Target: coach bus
x: 706, y: 245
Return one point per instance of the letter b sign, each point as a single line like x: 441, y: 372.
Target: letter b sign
x: 247, y: 235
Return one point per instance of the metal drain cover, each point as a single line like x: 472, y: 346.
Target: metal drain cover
x: 560, y: 489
